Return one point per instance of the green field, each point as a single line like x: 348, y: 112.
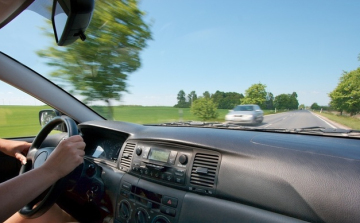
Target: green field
x: 24, y: 120
x: 19, y: 120
x: 351, y: 122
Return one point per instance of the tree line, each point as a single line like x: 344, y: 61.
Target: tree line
x: 255, y: 94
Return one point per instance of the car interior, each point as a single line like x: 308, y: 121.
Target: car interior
x: 163, y: 174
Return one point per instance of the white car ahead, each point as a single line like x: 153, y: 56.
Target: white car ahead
x: 247, y: 114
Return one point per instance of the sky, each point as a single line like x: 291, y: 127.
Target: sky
x: 203, y: 45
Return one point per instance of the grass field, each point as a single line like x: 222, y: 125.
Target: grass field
x: 351, y: 122
x: 24, y: 120
x: 19, y: 120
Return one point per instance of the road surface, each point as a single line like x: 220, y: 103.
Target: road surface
x: 294, y: 119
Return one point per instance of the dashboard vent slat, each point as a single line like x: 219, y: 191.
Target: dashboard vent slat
x: 126, y: 157
x: 208, y: 163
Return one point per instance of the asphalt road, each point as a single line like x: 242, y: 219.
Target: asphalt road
x: 294, y: 119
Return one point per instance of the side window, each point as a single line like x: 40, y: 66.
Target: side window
x: 19, y: 113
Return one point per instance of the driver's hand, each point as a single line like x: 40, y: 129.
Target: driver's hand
x: 67, y: 156
x: 17, y: 149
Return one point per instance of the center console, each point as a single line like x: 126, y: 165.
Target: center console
x: 159, y: 176
x: 155, y: 204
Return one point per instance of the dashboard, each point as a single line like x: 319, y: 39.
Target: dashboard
x: 183, y: 174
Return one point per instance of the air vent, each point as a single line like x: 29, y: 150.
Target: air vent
x: 203, y: 172
x: 126, y: 156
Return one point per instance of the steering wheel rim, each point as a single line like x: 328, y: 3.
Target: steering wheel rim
x: 35, y: 158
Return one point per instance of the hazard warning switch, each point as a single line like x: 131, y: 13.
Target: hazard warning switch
x: 169, y: 201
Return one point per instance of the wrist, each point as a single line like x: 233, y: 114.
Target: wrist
x: 50, y: 172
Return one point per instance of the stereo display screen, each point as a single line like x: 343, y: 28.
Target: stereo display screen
x: 159, y: 155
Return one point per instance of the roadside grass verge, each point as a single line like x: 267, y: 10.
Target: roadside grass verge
x: 351, y: 122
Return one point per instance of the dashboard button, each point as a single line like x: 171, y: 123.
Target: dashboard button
x: 126, y: 186
x: 157, y: 174
x: 125, y: 193
x: 169, y: 177
x: 170, y: 201
x: 162, y: 176
x: 180, y: 173
x: 142, y: 170
x: 167, y: 210
x: 149, y: 204
x: 179, y: 180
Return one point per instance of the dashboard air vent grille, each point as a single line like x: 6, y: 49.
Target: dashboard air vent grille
x: 126, y: 156
x: 203, y: 172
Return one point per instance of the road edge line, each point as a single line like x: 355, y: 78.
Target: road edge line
x: 328, y: 121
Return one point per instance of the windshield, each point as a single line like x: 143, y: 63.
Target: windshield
x: 244, y: 108
x: 170, y: 61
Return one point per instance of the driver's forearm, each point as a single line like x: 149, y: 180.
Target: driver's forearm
x: 21, y: 190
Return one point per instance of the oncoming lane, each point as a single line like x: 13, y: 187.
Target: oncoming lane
x: 294, y: 119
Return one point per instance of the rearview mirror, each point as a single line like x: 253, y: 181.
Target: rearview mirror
x: 70, y: 18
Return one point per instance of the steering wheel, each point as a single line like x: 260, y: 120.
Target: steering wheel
x: 36, y: 157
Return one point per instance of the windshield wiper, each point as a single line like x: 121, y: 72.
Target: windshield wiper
x: 305, y: 130
x: 217, y: 125
x: 317, y: 129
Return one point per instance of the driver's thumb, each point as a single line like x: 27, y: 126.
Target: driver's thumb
x: 21, y: 157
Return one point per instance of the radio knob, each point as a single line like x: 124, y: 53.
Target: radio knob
x: 138, y: 151
x: 183, y: 159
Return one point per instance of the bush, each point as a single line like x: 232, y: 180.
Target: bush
x: 204, y: 108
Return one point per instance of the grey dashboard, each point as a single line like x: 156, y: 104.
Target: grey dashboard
x: 186, y: 174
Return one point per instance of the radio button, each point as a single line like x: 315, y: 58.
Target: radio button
x: 179, y: 180
x: 179, y: 173
x: 157, y: 174
x: 162, y: 176
x: 169, y: 177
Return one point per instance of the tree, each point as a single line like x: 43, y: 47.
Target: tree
x: 182, y: 103
x: 346, y: 96
x: 315, y: 106
x: 255, y: 94
x: 192, y: 97
x: 302, y: 106
x: 286, y: 101
x: 204, y: 108
x: 269, y: 103
x: 206, y: 94
x: 282, y: 101
x: 226, y: 100
x: 181, y: 97
x: 98, y: 68
x: 293, y: 102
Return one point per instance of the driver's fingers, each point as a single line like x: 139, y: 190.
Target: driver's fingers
x: 21, y: 157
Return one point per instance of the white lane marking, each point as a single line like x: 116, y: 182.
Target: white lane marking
x: 265, y: 126
x: 332, y: 126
